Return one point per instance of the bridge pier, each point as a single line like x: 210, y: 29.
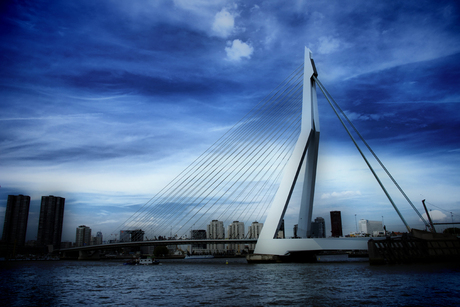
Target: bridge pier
x: 88, y: 255
x: 305, y: 250
x: 304, y: 157
x: 68, y: 255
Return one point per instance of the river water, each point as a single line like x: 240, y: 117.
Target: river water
x: 214, y: 282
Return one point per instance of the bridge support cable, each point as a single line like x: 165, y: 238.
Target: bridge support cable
x: 202, y: 189
x: 260, y: 201
x: 245, y: 158
x: 261, y: 171
x: 237, y: 159
x: 193, y: 183
x: 246, y: 174
x: 333, y: 105
x: 239, y: 187
x: 292, y: 140
x: 179, y: 180
x: 229, y: 153
x: 377, y: 159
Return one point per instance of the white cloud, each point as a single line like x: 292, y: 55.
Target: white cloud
x: 340, y: 194
x: 224, y: 23
x: 436, y: 215
x: 356, y: 116
x: 195, y: 6
x: 328, y: 45
x: 255, y: 8
x: 238, y: 50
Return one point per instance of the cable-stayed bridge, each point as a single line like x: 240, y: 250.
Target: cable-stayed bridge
x: 249, y: 175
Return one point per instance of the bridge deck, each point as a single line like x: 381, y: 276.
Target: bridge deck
x: 158, y: 243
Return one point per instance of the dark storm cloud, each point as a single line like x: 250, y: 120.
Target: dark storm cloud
x: 412, y: 99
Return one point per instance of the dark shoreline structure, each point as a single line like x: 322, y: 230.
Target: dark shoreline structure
x: 416, y: 247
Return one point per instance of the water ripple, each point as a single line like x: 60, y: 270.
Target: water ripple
x: 212, y: 282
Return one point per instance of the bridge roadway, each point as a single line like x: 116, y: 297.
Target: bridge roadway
x: 157, y: 243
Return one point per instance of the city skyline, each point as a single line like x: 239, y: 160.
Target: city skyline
x: 52, y: 210
x: 104, y: 103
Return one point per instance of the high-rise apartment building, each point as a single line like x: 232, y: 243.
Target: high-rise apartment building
x: 318, y: 228
x: 254, y: 232
x: 336, y: 224
x: 83, y: 236
x: 99, y: 238
x: 236, y: 231
x: 216, y: 230
x: 16, y: 216
x: 50, y: 221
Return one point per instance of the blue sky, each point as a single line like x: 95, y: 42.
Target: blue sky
x: 104, y: 102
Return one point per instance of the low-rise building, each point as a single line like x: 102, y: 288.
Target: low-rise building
x: 369, y: 227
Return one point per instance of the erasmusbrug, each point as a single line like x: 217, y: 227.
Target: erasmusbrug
x: 250, y: 173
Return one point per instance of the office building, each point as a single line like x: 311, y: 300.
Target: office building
x: 83, y: 236
x: 198, y: 234
x: 125, y: 236
x: 50, y: 221
x: 16, y: 216
x: 368, y: 227
x: 336, y: 224
x: 96, y: 240
x: 216, y: 230
x: 318, y: 228
x: 131, y: 235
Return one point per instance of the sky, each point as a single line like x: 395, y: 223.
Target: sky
x: 105, y: 102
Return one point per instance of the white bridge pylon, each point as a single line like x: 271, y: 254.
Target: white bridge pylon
x: 304, y: 156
